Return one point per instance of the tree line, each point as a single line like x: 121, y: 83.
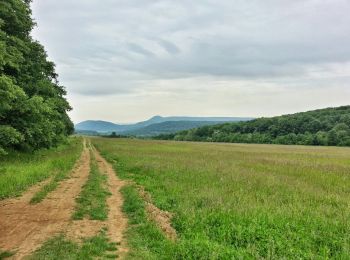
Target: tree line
x: 330, y: 126
x: 33, y: 108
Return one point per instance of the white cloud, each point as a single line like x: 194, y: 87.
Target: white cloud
x: 132, y: 59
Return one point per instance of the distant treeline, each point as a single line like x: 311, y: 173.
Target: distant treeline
x: 33, y: 108
x: 330, y: 126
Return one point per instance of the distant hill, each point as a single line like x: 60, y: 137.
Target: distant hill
x: 329, y: 126
x: 169, y: 127
x: 99, y: 126
x: 182, y: 123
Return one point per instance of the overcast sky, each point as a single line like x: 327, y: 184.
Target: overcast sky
x: 128, y: 60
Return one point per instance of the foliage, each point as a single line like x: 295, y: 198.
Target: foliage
x: 236, y: 201
x: 33, y: 109
x: 114, y: 135
x: 168, y: 127
x: 330, y: 126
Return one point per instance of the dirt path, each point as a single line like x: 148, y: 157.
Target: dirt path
x: 117, y: 221
x: 24, y: 227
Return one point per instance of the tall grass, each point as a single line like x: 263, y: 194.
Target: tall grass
x: 19, y: 171
x: 240, y: 201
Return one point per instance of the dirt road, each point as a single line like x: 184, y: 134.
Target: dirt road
x: 24, y: 227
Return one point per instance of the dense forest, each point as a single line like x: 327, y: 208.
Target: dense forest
x: 33, y: 108
x: 168, y: 127
x: 330, y: 126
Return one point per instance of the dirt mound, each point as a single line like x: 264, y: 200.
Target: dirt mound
x: 161, y: 217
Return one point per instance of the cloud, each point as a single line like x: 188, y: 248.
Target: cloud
x: 123, y: 47
x: 133, y: 47
x: 169, y: 47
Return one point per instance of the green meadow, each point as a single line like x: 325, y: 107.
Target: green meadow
x: 19, y: 171
x: 236, y: 200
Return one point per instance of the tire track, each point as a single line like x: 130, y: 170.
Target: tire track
x: 117, y: 221
x: 24, y: 227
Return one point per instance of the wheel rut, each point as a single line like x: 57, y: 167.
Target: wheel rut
x: 24, y: 226
x: 117, y: 221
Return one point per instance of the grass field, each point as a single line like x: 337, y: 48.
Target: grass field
x: 236, y: 200
x: 19, y: 171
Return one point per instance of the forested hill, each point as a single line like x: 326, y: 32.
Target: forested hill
x: 33, y: 108
x: 105, y: 126
x: 330, y: 126
x: 168, y: 127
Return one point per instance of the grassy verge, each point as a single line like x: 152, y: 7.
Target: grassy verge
x: 92, y: 200
x: 5, y: 254
x: 19, y: 171
x: 144, y: 236
x: 52, y: 185
x: 237, y: 201
x: 61, y: 248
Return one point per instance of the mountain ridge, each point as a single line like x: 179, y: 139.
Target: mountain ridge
x: 102, y: 126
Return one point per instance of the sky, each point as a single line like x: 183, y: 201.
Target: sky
x: 128, y: 60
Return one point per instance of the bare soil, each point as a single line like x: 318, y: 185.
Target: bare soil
x: 161, y: 217
x: 117, y: 221
x: 80, y: 229
x: 24, y: 226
